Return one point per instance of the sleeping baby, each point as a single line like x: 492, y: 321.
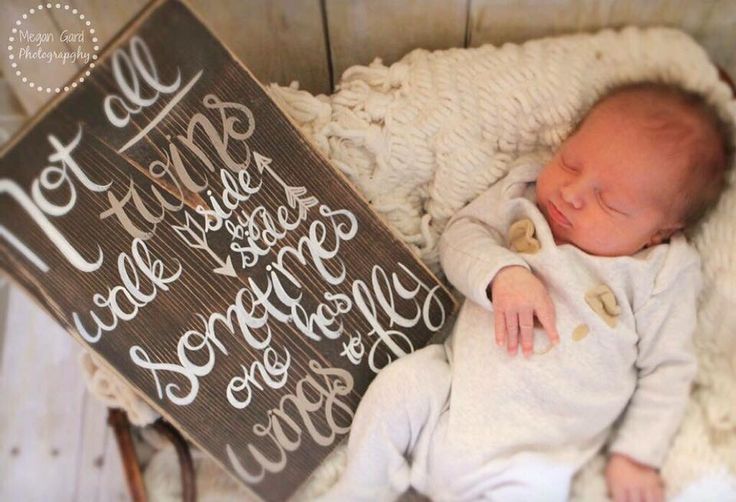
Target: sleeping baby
x: 580, y: 263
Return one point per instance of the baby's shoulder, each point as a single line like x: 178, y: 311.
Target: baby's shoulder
x: 677, y: 265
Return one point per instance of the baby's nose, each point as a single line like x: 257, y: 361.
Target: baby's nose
x: 572, y: 196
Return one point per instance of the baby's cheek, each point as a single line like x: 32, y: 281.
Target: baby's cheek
x: 600, y: 239
x: 542, y: 187
x: 585, y: 237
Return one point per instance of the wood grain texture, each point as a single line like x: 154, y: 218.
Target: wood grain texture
x: 11, y: 118
x: 108, y: 17
x: 710, y: 22
x: 29, y: 440
x: 209, y: 350
x: 717, y: 35
x: 112, y: 485
x: 278, y: 40
x: 286, y: 40
x: 4, y: 293
x: 497, y: 22
x: 51, y: 429
x: 100, y: 474
x: 361, y: 31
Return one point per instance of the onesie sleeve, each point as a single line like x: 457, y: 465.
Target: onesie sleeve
x: 666, y: 364
x: 472, y: 247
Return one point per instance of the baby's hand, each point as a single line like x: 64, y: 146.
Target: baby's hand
x: 517, y: 296
x: 629, y: 480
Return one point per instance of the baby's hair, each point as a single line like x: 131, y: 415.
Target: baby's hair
x: 708, y: 164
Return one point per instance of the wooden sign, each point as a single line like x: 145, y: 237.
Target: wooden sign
x: 173, y: 219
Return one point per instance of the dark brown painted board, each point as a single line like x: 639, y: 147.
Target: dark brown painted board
x: 245, y: 329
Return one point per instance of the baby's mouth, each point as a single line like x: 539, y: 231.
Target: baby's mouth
x: 557, y: 216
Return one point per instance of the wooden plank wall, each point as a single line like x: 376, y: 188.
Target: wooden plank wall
x: 54, y: 440
x: 12, y: 117
x: 314, y: 41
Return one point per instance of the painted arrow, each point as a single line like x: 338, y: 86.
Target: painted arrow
x: 195, y: 236
x: 294, y: 195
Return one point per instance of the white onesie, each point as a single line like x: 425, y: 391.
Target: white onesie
x: 466, y: 421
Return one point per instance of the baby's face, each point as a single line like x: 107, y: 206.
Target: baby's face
x: 609, y: 189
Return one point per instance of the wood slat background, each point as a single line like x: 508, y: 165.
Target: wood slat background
x: 312, y: 41
x: 54, y: 440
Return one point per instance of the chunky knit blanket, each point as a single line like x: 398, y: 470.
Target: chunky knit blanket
x: 426, y: 135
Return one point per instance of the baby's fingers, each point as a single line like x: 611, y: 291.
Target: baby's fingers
x: 620, y: 494
x: 639, y: 494
x: 512, y: 332
x: 546, y: 315
x: 526, y: 326
x: 655, y: 494
x: 499, y: 321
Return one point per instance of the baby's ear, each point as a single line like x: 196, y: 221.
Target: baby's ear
x: 663, y: 234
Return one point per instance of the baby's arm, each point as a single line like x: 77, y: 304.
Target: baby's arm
x: 666, y: 366
x: 474, y: 257
x: 472, y: 247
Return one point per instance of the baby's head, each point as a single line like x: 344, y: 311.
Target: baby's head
x: 647, y: 160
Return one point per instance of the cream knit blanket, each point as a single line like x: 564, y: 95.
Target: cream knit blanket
x: 426, y: 135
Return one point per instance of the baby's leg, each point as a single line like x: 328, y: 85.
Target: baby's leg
x: 526, y: 478
x: 401, y: 405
